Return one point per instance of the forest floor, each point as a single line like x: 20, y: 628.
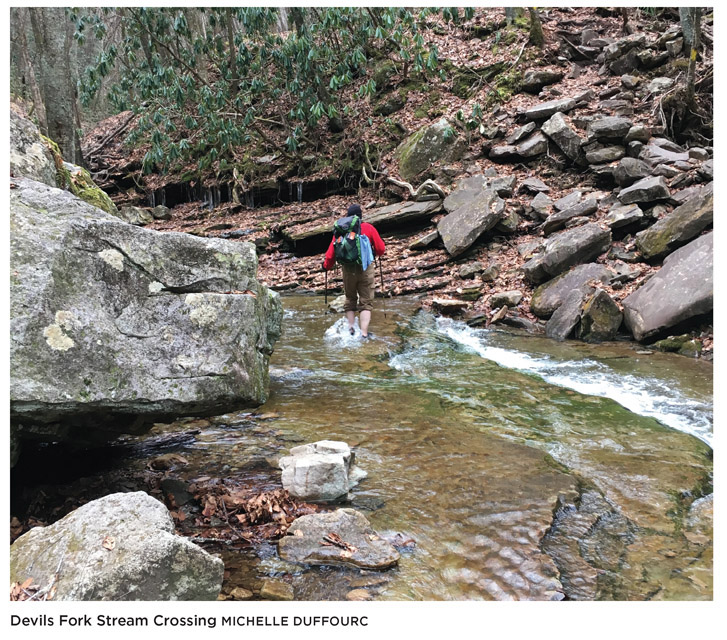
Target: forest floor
x: 429, y: 272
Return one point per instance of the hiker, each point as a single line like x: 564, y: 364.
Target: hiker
x: 354, y: 245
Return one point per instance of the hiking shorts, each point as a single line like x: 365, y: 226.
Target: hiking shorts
x: 359, y: 287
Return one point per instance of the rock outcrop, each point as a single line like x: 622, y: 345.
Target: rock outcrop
x: 120, y: 547
x: 29, y: 155
x: 434, y: 143
x: 681, y: 290
x: 113, y: 326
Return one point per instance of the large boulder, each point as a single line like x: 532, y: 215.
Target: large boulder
x: 566, y: 249
x: 549, y: 296
x: 120, y: 547
x: 680, y: 291
x: 321, y: 471
x: 113, y: 326
x: 434, y: 143
x: 678, y: 227
x: 478, y: 212
x: 29, y: 154
x: 360, y: 546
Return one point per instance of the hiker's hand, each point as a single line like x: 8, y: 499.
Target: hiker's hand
x: 323, y: 266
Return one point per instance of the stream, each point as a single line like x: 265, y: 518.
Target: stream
x: 473, y: 439
x: 523, y: 468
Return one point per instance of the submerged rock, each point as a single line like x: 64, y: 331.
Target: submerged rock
x: 120, y: 547
x: 358, y: 544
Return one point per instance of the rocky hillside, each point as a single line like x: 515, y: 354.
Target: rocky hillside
x: 570, y: 178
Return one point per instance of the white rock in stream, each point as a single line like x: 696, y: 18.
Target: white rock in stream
x: 321, y: 471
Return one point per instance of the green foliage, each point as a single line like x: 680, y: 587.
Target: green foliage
x: 208, y: 80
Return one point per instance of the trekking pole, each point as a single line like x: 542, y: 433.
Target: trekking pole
x: 325, y: 294
x: 381, y: 276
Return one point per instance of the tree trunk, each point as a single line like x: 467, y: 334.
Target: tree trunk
x: 28, y: 70
x: 536, y: 28
x: 691, y: 19
x: 53, y: 41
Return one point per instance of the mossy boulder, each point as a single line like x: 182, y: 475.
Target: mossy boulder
x: 678, y: 227
x: 114, y: 327
x: 600, y: 318
x: 435, y: 143
x: 80, y: 183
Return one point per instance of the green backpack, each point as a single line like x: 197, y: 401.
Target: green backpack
x: 347, y: 240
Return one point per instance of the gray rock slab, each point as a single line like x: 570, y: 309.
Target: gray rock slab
x: 604, y: 155
x: 574, y: 246
x: 545, y: 110
x: 461, y: 228
x: 645, y: 190
x: 609, y: 128
x: 630, y: 170
x: 535, y: 145
x: 119, y: 547
x: 367, y: 550
x: 624, y: 215
x: 557, y: 220
x: 682, y: 289
x: 549, y: 296
x: 560, y: 132
x: 535, y: 79
x: 678, y: 227
x: 569, y: 200
x: 510, y: 298
x: 566, y: 317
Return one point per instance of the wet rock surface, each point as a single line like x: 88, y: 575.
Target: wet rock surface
x: 354, y: 544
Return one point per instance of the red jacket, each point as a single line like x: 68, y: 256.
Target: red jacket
x: 377, y: 244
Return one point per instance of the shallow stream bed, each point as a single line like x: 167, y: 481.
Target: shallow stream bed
x: 521, y: 467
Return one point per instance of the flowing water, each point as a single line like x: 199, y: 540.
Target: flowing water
x: 522, y: 467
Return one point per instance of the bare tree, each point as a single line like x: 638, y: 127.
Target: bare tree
x: 53, y: 34
x: 20, y: 39
x: 536, y: 28
x: 691, y: 20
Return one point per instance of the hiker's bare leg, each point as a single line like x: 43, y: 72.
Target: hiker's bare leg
x: 363, y: 320
x: 351, y: 317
